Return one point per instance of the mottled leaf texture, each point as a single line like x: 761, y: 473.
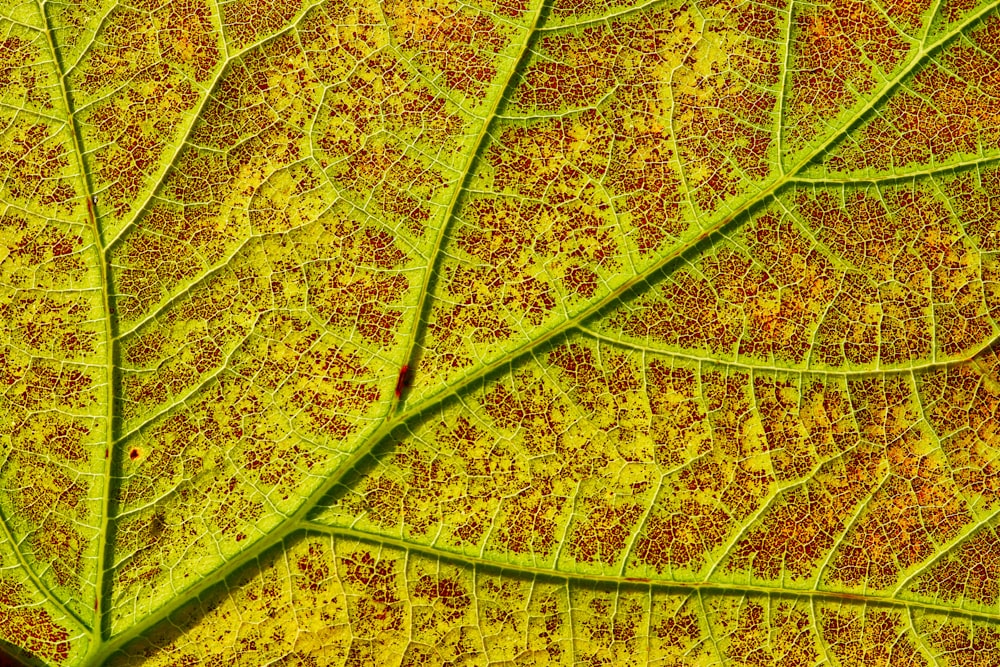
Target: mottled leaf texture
x: 500, y: 332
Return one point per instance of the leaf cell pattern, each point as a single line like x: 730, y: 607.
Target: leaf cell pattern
x: 696, y: 301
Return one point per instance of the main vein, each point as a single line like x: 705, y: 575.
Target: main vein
x: 109, y: 338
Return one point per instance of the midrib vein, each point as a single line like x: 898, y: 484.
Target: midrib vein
x: 109, y: 342
x: 298, y: 520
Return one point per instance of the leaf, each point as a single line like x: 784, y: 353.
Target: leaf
x: 521, y: 331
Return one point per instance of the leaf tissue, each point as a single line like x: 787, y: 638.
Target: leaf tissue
x: 500, y: 332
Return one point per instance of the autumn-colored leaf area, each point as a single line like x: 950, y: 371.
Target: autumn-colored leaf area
x: 500, y: 332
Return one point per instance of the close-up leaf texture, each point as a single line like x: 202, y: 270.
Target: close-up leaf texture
x: 500, y: 332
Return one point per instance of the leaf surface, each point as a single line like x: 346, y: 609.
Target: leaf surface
x: 526, y: 332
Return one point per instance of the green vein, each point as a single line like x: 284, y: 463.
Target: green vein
x: 202, y: 383
x: 42, y: 587
x: 465, y: 178
x: 181, y: 143
x: 599, y: 20
x: 968, y: 357
x: 588, y: 580
x: 67, y: 100
x: 921, y: 641
x: 891, y: 178
x: 942, y: 551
